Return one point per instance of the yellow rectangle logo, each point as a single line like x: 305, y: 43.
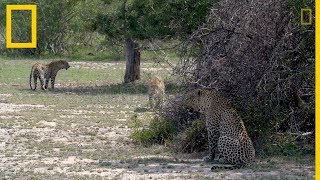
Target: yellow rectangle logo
x: 33, y: 9
x: 306, y: 16
x: 317, y: 90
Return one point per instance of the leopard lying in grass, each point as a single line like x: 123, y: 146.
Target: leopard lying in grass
x: 229, y: 144
x: 45, y: 72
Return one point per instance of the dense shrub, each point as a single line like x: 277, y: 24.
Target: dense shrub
x: 286, y: 144
x: 157, y: 131
x: 261, y: 58
x: 175, y: 126
x: 192, y: 139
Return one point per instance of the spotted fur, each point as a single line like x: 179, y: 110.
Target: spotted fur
x: 228, y: 140
x: 45, y: 72
x: 156, y: 91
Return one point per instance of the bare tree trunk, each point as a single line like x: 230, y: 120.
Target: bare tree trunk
x: 133, y: 61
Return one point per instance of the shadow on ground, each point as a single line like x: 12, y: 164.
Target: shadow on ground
x: 156, y: 165
x: 142, y: 110
x: 105, y: 89
x: 132, y: 88
x: 96, y: 90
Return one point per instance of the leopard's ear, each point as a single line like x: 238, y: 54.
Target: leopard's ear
x: 199, y: 92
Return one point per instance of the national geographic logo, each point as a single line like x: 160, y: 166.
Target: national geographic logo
x: 33, y: 9
x: 306, y: 16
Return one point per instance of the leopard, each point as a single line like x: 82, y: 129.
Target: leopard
x: 230, y: 146
x: 46, y: 72
x: 156, y: 92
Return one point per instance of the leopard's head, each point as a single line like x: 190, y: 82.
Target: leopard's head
x: 60, y: 65
x: 66, y: 65
x: 198, y: 100
x: 192, y: 100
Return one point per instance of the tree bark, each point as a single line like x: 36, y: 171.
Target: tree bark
x: 133, y: 61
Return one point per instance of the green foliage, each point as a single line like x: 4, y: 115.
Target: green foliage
x: 85, y: 12
x: 284, y: 145
x: 71, y: 27
x: 197, y: 136
x: 144, y: 19
x: 191, y: 139
x: 260, y: 122
x: 157, y: 131
x: 89, y: 54
x: 290, y: 149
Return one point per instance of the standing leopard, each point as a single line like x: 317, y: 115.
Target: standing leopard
x: 156, y: 91
x: 229, y: 143
x: 45, y: 72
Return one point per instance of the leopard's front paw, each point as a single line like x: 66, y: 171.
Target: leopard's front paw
x: 207, y: 158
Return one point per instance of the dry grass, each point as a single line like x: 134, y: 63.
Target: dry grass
x: 81, y: 130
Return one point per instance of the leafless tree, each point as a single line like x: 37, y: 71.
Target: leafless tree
x: 250, y: 51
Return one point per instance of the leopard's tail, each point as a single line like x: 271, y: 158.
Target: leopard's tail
x: 30, y: 78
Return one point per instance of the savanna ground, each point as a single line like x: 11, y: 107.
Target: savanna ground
x: 82, y: 130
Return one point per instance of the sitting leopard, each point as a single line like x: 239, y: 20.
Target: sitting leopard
x: 156, y: 92
x: 45, y: 72
x: 229, y: 144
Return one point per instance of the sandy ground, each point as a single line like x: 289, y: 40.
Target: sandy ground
x: 75, y: 144
x: 26, y: 159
